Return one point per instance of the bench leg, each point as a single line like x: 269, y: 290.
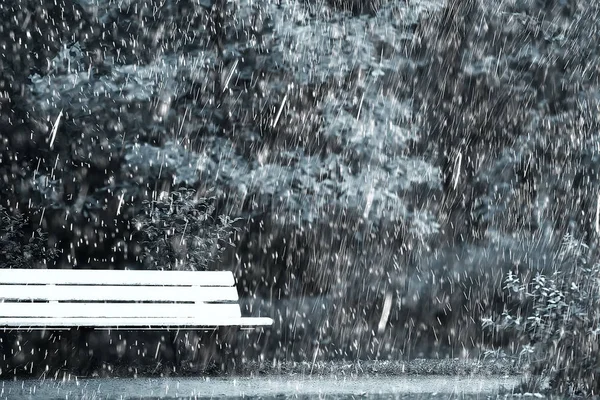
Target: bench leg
x: 227, y: 347
x: 211, y: 351
x: 176, y: 346
x: 80, y: 360
x: 6, y: 352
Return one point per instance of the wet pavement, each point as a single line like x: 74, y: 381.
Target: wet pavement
x: 262, y: 387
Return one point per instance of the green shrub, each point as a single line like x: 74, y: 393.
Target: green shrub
x: 18, y: 248
x: 178, y: 231
x: 557, y: 322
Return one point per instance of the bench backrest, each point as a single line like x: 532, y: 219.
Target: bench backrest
x: 101, y: 297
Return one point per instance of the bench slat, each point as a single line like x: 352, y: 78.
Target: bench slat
x: 115, y: 277
x: 124, y: 323
x: 122, y: 310
x: 118, y: 293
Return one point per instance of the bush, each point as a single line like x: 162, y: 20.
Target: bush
x: 178, y: 231
x: 557, y: 323
x: 19, y: 249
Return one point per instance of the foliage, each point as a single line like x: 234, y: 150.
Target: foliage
x: 17, y: 250
x: 179, y: 231
x: 558, y: 321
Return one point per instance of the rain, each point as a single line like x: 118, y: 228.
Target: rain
x: 409, y: 189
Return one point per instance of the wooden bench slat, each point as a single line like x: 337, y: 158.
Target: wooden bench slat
x: 118, y: 293
x: 76, y: 298
x: 124, y: 323
x: 115, y: 277
x: 119, y: 310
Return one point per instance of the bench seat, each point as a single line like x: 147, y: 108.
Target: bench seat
x: 120, y: 299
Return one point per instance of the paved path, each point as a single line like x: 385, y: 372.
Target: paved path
x: 259, y: 387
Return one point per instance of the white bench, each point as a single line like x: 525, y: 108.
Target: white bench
x: 120, y: 299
